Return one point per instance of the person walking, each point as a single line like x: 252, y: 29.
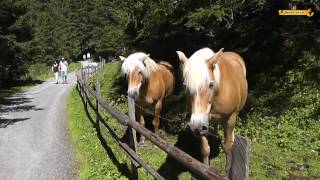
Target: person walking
x: 63, y: 66
x: 55, y: 69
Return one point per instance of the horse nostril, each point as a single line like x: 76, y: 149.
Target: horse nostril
x: 204, y: 128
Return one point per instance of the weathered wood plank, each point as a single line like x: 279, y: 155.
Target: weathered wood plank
x: 239, y: 162
x: 132, y: 136
x: 97, y: 102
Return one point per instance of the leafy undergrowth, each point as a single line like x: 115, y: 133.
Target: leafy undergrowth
x: 282, y: 122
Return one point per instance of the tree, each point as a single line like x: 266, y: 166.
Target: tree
x: 14, y: 32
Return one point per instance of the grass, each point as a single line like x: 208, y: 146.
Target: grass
x: 284, y: 146
x: 94, y: 161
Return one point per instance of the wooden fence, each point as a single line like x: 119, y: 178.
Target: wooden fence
x: 238, y: 166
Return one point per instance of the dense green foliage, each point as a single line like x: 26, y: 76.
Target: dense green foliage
x: 39, y: 31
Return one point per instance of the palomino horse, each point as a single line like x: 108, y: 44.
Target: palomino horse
x: 217, y: 89
x: 148, y: 82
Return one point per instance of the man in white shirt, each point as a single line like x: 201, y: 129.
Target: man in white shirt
x: 63, y: 66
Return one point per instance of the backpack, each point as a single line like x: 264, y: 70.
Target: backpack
x: 55, y: 67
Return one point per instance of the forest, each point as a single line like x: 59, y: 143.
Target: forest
x: 281, y: 53
x: 34, y: 32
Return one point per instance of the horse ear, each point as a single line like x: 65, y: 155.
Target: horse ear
x: 145, y: 58
x: 216, y: 56
x: 220, y: 51
x: 182, y: 57
x: 122, y: 58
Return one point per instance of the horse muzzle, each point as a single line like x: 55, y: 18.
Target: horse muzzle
x: 133, y: 93
x: 199, y: 124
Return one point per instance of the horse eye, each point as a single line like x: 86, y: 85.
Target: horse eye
x: 211, y: 85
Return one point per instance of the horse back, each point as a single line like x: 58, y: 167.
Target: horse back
x: 167, y: 76
x: 166, y: 65
x: 161, y: 82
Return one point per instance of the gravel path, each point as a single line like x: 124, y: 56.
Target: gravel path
x: 34, y: 139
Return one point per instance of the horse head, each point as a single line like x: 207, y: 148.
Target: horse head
x: 201, y: 76
x: 134, y: 67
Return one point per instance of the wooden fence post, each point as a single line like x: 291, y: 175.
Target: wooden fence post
x: 132, y: 136
x: 238, y: 166
x: 97, y: 101
x: 85, y: 92
x: 81, y: 73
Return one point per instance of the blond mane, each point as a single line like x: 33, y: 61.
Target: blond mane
x: 140, y: 60
x: 195, y: 70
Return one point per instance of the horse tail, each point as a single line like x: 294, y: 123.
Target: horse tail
x: 166, y: 64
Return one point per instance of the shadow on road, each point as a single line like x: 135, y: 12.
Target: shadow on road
x: 17, y: 103
x: 6, y: 122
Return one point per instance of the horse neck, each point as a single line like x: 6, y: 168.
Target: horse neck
x: 232, y: 84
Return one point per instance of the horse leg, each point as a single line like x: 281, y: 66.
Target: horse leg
x: 229, y: 125
x: 205, y: 150
x: 141, y: 122
x: 156, y: 120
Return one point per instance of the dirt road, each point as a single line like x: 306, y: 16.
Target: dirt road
x: 34, y: 140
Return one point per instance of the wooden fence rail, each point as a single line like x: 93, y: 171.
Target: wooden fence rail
x: 183, y: 158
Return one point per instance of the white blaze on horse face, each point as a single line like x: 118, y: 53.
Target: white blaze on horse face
x: 199, y: 121
x: 134, y: 83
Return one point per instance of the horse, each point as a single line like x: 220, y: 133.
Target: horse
x: 148, y: 83
x: 217, y: 90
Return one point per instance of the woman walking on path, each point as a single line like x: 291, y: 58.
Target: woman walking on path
x: 55, y: 69
x: 63, y: 66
